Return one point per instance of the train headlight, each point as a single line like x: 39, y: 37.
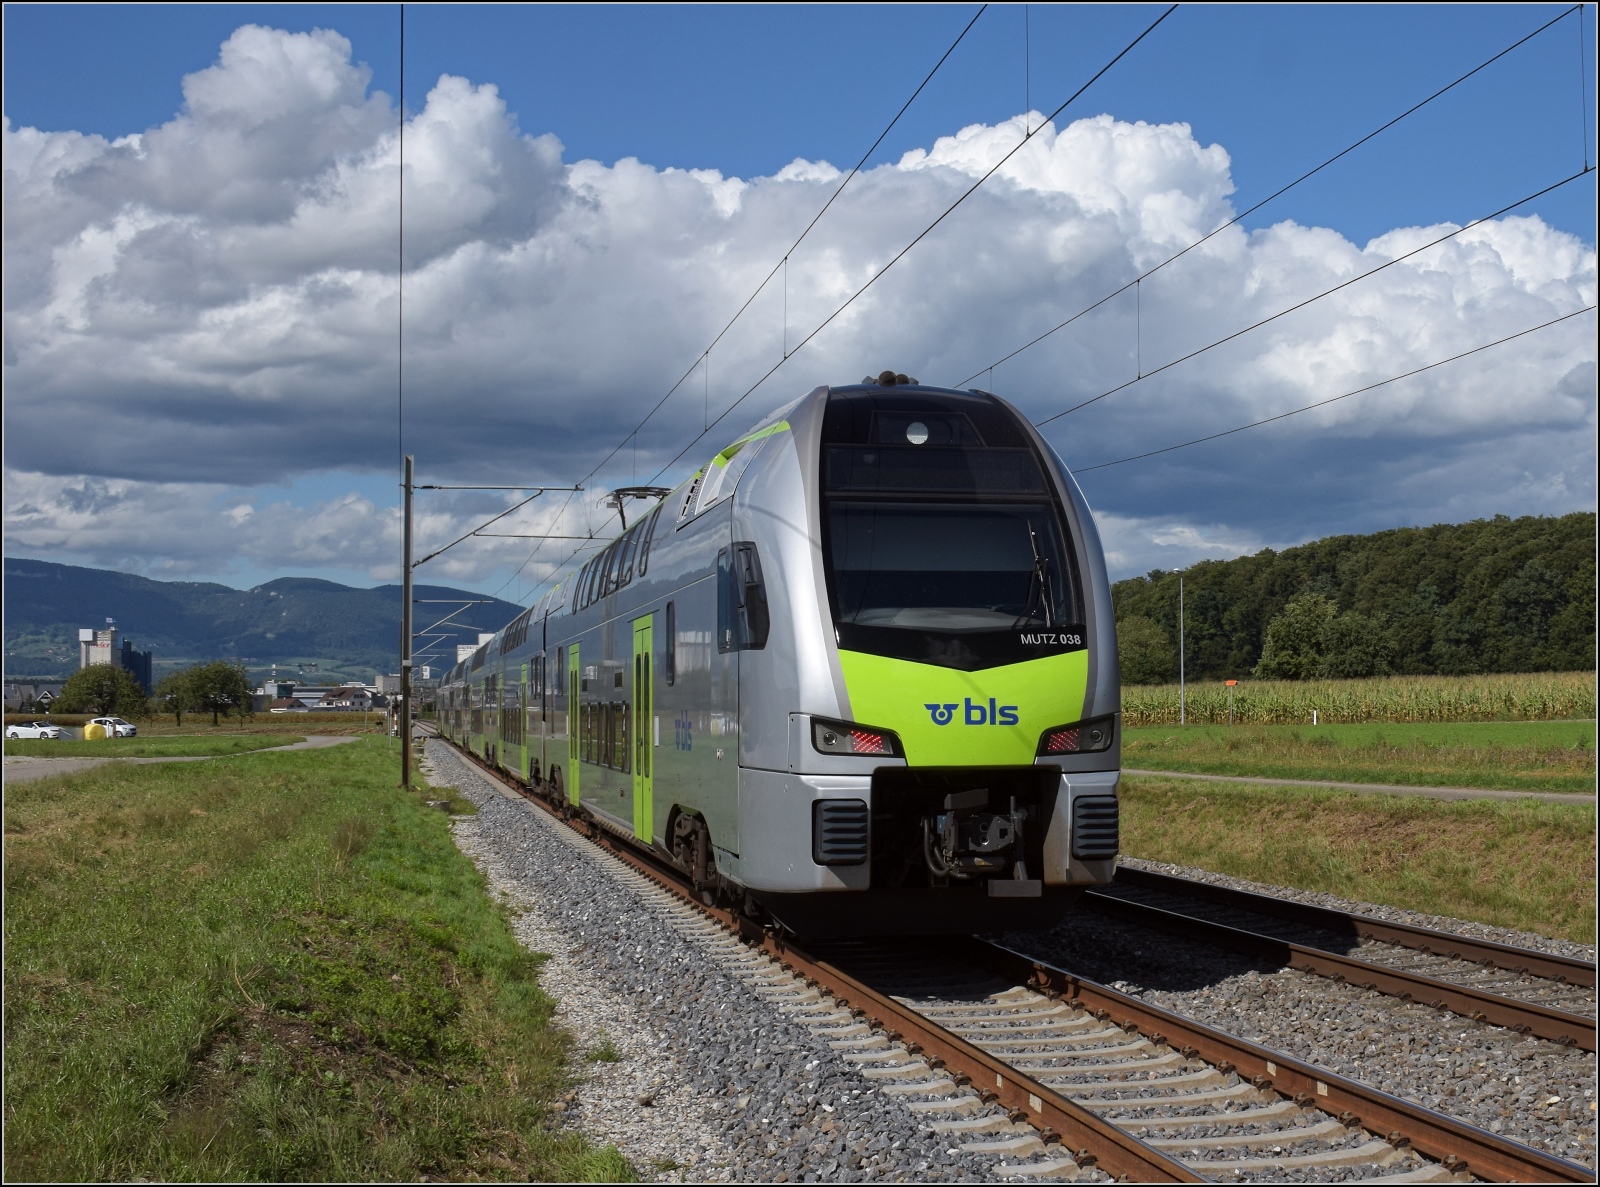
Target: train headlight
x: 845, y: 737
x: 1083, y: 737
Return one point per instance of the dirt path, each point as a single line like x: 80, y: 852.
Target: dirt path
x: 21, y: 770
x: 1438, y: 793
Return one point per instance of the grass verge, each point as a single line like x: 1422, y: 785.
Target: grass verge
x: 281, y: 969
x: 1511, y: 755
x: 149, y: 746
x: 1523, y: 864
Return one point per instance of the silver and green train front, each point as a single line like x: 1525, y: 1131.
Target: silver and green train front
x: 960, y: 761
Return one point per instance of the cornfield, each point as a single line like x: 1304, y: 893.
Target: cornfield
x: 1541, y: 696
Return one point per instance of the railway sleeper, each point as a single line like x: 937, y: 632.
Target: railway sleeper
x: 1049, y: 1026
x: 1207, y: 1077
x: 1373, y: 1153
x: 1057, y: 1048
x: 1117, y: 1106
x: 1020, y: 1145
x: 1277, y: 1111
x: 1323, y: 1129
x: 1043, y: 1062
x: 1122, y: 1069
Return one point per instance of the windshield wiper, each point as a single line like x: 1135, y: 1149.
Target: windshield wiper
x: 1040, y: 579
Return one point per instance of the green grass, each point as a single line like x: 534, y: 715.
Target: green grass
x: 1513, y: 755
x: 1527, y: 864
x: 149, y: 746
x: 280, y: 968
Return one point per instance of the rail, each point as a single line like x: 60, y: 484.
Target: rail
x: 1525, y: 1017
x: 1087, y: 1138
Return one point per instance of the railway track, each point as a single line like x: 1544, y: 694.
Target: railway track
x: 1533, y: 993
x: 1063, y: 1077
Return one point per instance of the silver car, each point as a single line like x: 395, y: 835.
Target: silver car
x: 116, y: 727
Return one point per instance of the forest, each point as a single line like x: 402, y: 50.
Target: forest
x: 1495, y: 595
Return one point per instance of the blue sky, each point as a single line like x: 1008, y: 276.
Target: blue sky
x: 746, y: 90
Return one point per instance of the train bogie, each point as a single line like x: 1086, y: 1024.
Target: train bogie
x: 859, y: 672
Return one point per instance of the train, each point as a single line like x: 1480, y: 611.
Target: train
x: 856, y: 676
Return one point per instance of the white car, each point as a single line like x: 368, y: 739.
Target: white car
x: 116, y: 727
x: 38, y: 729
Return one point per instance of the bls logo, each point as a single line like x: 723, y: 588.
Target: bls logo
x: 974, y: 713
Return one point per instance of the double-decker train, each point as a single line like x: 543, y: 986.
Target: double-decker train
x: 858, y: 674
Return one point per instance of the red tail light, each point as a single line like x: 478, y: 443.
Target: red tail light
x: 1064, y: 741
x: 841, y: 737
x: 1082, y: 737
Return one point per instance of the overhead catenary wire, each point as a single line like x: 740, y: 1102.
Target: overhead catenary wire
x: 1312, y: 299
x: 1255, y: 424
x: 784, y: 259
x: 704, y: 358
x: 1282, y: 190
x: 949, y: 210
x: 878, y: 274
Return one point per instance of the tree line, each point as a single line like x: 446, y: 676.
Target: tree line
x: 219, y: 688
x: 1495, y: 595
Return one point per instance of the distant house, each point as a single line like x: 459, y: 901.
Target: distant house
x: 286, y: 705
x: 18, y: 695
x: 351, y: 697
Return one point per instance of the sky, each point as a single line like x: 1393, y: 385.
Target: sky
x: 201, y: 253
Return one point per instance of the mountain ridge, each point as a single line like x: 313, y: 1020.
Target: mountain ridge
x: 345, y: 630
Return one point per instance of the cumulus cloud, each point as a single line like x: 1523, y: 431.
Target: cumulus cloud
x: 201, y: 311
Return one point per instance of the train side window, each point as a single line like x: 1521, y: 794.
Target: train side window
x: 625, y: 556
x: 742, y: 617
x: 645, y: 536
x: 608, y: 570
x: 624, y: 739
x: 669, y: 645
x: 561, y: 670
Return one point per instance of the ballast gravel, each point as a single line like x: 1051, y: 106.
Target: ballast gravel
x: 711, y: 1083
x: 1526, y: 1089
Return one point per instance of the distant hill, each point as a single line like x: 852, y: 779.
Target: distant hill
x: 1493, y: 595
x: 291, y: 621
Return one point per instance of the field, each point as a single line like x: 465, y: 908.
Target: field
x: 1543, y: 696
x: 150, y: 745
x: 276, y: 969
x: 1514, y: 755
x: 1525, y: 864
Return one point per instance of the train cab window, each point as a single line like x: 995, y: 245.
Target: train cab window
x: 943, y: 540
x: 669, y: 645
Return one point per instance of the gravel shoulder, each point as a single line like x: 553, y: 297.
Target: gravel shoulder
x: 1529, y: 1090
x: 739, y: 1089
x: 1478, y: 931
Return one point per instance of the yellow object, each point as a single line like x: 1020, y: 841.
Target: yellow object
x: 93, y: 731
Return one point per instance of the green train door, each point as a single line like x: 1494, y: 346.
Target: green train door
x: 643, y: 700
x: 574, y: 715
